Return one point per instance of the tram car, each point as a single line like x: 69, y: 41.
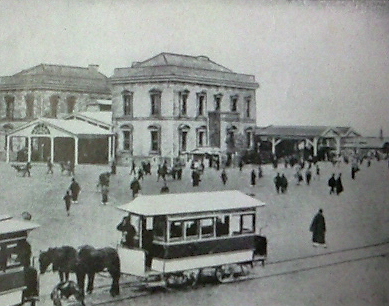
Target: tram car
x: 179, y: 237
x: 18, y: 280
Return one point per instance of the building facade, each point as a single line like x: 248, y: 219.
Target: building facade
x: 171, y: 104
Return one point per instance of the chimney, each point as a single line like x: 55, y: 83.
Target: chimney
x: 93, y: 67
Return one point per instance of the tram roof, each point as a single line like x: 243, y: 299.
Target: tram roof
x: 9, y: 225
x: 190, y: 203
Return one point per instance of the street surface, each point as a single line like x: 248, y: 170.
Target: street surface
x: 356, y: 218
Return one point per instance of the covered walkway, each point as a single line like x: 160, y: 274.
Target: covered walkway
x: 60, y: 141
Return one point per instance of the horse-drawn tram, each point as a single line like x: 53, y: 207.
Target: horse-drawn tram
x: 173, y: 239
x: 18, y: 280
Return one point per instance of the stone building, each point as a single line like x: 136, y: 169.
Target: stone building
x: 171, y: 104
x: 47, y: 91
x: 50, y: 91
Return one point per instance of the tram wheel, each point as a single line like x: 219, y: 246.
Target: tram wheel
x: 224, y: 273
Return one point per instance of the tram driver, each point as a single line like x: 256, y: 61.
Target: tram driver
x: 128, y: 231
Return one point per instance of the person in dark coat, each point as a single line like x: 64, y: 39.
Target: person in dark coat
x: 318, y: 229
x: 277, y: 182
x: 75, y: 190
x: 308, y: 176
x: 164, y: 189
x: 339, y: 185
x: 224, y: 176
x: 135, y: 187
x: 68, y: 201
x: 332, y: 183
x: 252, y: 178
x: 133, y: 168
x: 260, y: 172
x: 27, y: 171
x: 128, y: 231
x: 240, y: 165
x: 195, y: 178
x: 104, y: 194
x: 284, y: 183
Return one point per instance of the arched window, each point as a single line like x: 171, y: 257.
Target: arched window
x: 155, y: 139
x: 126, y: 131
x: 234, y: 103
x: 127, y: 97
x: 29, y: 99
x: 201, y: 136
x: 155, y: 102
x: 183, y: 130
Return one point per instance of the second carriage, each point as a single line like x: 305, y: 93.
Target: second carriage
x: 176, y: 238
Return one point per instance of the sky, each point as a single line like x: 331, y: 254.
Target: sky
x: 317, y: 62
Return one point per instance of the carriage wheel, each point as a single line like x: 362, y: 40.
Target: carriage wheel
x: 224, y: 273
x: 246, y: 268
x: 192, y: 277
x: 176, y: 279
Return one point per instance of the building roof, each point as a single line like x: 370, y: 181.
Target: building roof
x: 96, y: 118
x: 302, y: 131
x: 178, y: 67
x: 9, y: 225
x: 73, y: 127
x: 366, y: 143
x: 190, y: 203
x: 58, y: 77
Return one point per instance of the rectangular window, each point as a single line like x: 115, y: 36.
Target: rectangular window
x: 248, y: 105
x: 183, y: 96
x: 159, y: 228
x: 191, y: 229
x: 242, y: 224
x: 127, y: 103
x: 154, y: 141
x: 248, y: 139
x: 201, y: 104
x: 218, y: 100
x: 126, y: 140
x: 176, y: 230
x: 184, y: 139
x: 155, y: 104
x: 9, y: 111
x: 234, y: 104
x: 206, y: 228
x: 9, y: 255
x: 222, y: 226
x: 201, y: 138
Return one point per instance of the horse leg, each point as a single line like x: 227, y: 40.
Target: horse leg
x: 81, y: 282
x: 91, y: 278
x: 115, y: 282
x: 61, y: 276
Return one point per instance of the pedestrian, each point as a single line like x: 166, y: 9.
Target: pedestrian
x: 49, y: 166
x: 140, y: 174
x: 224, y: 176
x: 332, y: 183
x: 318, y: 172
x: 277, y: 182
x: 284, y: 183
x: 128, y: 232
x: 75, y: 190
x: 308, y: 176
x: 133, y: 168
x: 27, y: 169
x: 68, y: 201
x: 104, y: 194
x: 240, y: 165
x: 298, y: 175
x: 70, y: 168
x: 252, y: 178
x: 318, y: 229
x: 195, y: 178
x: 135, y: 187
x: 260, y: 172
x: 113, y: 167
x: 338, y: 184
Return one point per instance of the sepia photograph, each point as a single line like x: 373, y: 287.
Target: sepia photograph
x: 194, y: 152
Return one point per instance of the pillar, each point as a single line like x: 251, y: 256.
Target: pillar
x: 52, y: 149
x: 8, y: 144
x: 337, y: 139
x: 274, y: 142
x: 315, y: 141
x: 29, y: 148
x: 109, y: 149
x: 75, y: 150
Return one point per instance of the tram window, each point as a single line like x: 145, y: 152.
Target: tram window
x: 235, y: 224
x: 206, y: 226
x: 159, y: 225
x: 191, y: 229
x: 247, y: 223
x: 222, y: 226
x: 9, y: 256
x: 176, y: 230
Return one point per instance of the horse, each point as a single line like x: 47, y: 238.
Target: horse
x: 66, y: 289
x: 91, y: 261
x: 63, y: 259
